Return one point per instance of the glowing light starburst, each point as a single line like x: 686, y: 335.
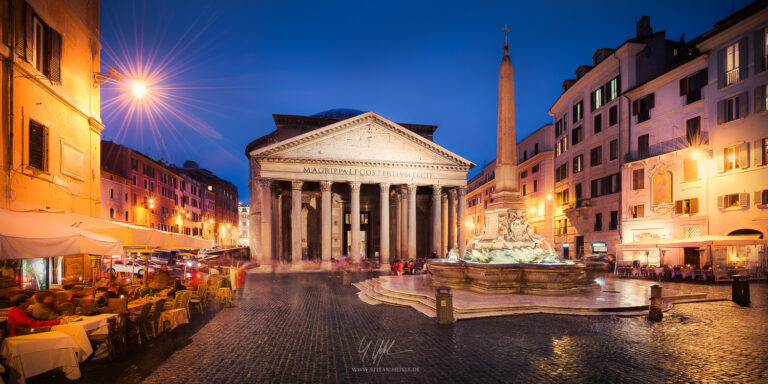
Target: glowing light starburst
x: 139, y: 89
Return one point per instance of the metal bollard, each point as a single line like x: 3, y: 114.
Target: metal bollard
x: 444, y: 305
x: 654, y: 311
x: 345, y: 279
x: 740, y: 290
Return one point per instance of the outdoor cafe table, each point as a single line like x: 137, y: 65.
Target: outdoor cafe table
x: 79, y: 331
x: 136, y: 305
x: 31, y: 355
x: 174, y: 317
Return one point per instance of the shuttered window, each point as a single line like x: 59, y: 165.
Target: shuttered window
x: 690, y: 169
x: 637, y: 211
x: 638, y: 179
x: 596, y: 156
x: 613, y: 116
x: 642, y: 107
x: 39, y: 44
x: 761, y: 50
x: 598, y: 123
x: 578, y: 111
x: 613, y: 149
x: 690, y: 86
x: 693, y: 131
x: 687, y: 206
x: 761, y: 98
x: 38, y: 146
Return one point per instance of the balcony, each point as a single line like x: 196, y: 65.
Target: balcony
x: 663, y: 147
x: 732, y: 76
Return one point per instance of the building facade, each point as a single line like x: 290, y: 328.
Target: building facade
x: 51, y: 123
x: 591, y: 121
x: 535, y: 155
x: 243, y: 211
x: 345, y: 182
x: 697, y: 165
x: 115, y: 196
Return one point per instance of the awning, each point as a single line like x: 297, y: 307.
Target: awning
x: 131, y: 235
x: 27, y: 236
x: 698, y: 241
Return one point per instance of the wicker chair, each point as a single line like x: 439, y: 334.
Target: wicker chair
x: 155, y: 318
x: 197, y: 299
x: 109, y: 340
x: 139, y: 322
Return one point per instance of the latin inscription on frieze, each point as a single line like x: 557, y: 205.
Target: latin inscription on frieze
x: 367, y: 172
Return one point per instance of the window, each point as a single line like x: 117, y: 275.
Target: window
x: 612, y: 89
x: 152, y: 186
x: 111, y: 193
x: 596, y: 156
x: 605, y: 185
x: 576, y: 135
x: 524, y: 190
x: 134, y: 199
x: 525, y: 155
x: 561, y: 172
x: 146, y: 184
x: 43, y: 46
x: 126, y: 197
x: 523, y: 174
x: 614, y: 223
x: 597, y: 98
x: 578, y: 111
x: 638, y: 179
x: 734, y: 200
x: 535, y: 148
x: 690, y: 86
x: 761, y: 197
x: 690, y: 169
x: 642, y: 107
x: 135, y: 164
x: 535, y: 186
x: 38, y: 146
x: 761, y: 152
x: 560, y: 126
x: 643, y: 146
x: 689, y: 206
x: 126, y: 215
x: 731, y: 157
x: 637, y: 211
x: 732, y: 63
x: 598, y: 222
x: 578, y: 164
x: 579, y: 194
x: 613, y: 150
x: 761, y: 98
x: 535, y: 169
x: 111, y: 213
x: 598, y: 124
x: 561, y: 146
x: 693, y: 130
x: 732, y: 108
x: 562, y: 197
x: 613, y: 116
x: 691, y: 231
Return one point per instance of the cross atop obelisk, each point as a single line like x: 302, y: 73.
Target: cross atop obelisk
x: 505, y: 29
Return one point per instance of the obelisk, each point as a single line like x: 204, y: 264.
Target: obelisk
x: 507, y: 189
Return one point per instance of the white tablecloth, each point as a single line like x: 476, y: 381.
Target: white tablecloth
x: 174, y: 317
x: 79, y: 331
x: 31, y: 355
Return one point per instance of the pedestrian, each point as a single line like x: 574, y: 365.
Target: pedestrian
x: 44, y: 309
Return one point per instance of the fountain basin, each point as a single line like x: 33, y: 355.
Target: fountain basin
x: 540, y: 279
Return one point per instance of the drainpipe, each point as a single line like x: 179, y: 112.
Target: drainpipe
x: 11, y: 62
x: 621, y: 163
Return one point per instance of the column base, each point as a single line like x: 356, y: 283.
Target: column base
x: 296, y: 267
x: 326, y: 265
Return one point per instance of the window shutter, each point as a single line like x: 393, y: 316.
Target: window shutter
x: 694, y: 206
x: 757, y: 153
x: 759, y: 43
x: 634, y: 107
x: 618, y: 84
x: 21, y: 31
x: 29, y: 34
x: 743, y: 59
x: 743, y: 199
x: 720, y: 160
x: 721, y: 112
x: 651, y: 101
x: 679, y: 207
x: 683, y: 86
x: 743, y: 155
x: 634, y: 179
x: 55, y: 59
x: 641, y: 210
x: 721, y: 68
x: 703, y: 77
x: 759, y: 198
x: 743, y: 104
x: 760, y: 99
x: 721, y: 202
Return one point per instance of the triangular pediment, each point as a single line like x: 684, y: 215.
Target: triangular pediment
x: 366, y: 139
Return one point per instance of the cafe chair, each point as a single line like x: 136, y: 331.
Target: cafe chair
x: 197, y: 298
x: 108, y: 340
x: 138, y: 323
x: 155, y: 318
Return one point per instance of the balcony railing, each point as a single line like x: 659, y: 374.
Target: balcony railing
x: 663, y: 147
x: 732, y: 76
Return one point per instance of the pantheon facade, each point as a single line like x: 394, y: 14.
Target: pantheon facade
x: 345, y: 182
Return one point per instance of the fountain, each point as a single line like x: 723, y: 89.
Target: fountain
x: 509, y: 257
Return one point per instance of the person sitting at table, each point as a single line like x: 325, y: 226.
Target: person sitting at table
x: 162, y: 279
x: 177, y: 286
x: 18, y: 316
x: 44, y: 309
x: 113, y: 291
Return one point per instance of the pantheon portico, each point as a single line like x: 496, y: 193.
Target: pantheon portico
x: 346, y: 182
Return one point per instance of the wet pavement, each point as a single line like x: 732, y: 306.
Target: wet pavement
x: 310, y: 328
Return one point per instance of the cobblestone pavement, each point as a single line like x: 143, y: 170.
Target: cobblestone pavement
x: 309, y: 328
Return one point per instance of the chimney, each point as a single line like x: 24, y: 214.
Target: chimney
x: 644, y: 26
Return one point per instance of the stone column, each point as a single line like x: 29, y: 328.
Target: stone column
x: 266, y: 220
x: 462, y: 217
x: 444, y: 226
x: 354, y: 247
x: 403, y: 222
x: 254, y: 220
x: 296, y: 223
x: 325, y: 188
x: 412, y: 221
x: 451, y: 219
x: 384, y: 225
x: 436, y: 221
x: 278, y: 213
x: 398, y: 225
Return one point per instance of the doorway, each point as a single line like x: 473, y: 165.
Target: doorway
x: 691, y: 257
x: 579, y: 247
x: 364, y: 233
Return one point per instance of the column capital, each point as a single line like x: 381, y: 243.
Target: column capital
x: 462, y: 190
x: 437, y: 190
x: 325, y: 186
x: 355, y: 187
x: 296, y: 185
x: 412, y: 188
x: 403, y: 191
x: 265, y: 182
x: 444, y: 196
x: 384, y: 187
x: 452, y: 193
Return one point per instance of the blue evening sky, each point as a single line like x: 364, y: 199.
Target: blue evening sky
x: 235, y: 63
